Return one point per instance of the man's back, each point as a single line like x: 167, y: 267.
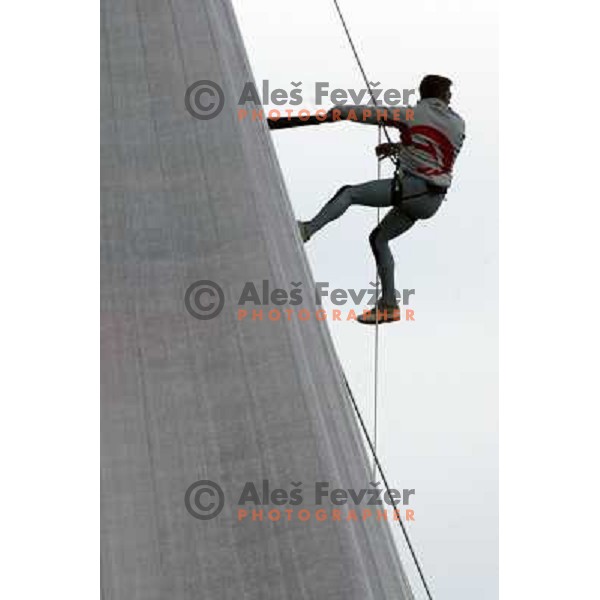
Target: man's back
x: 431, y: 141
x: 432, y: 135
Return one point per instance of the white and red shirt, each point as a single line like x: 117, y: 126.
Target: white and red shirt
x: 432, y: 136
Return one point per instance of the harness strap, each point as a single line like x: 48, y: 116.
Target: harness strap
x: 398, y: 189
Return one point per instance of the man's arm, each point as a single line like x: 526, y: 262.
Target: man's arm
x: 395, y: 116
x: 285, y: 122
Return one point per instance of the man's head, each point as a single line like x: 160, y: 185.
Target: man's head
x: 435, y: 86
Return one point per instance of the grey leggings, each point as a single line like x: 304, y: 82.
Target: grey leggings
x: 398, y: 220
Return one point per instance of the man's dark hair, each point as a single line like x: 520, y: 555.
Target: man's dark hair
x: 434, y: 86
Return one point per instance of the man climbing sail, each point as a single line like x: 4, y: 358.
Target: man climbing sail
x: 432, y: 135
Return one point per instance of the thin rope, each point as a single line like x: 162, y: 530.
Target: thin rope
x: 376, y: 357
x: 372, y: 445
x: 362, y: 69
x: 387, y: 487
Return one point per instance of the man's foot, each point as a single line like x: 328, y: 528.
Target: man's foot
x: 304, y: 231
x: 383, y: 313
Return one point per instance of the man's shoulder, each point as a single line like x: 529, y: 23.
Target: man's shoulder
x: 440, y: 107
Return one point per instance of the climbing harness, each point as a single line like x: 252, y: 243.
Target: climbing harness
x: 396, y: 189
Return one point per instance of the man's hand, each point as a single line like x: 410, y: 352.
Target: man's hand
x: 385, y: 150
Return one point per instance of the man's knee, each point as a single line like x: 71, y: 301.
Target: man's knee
x: 336, y: 198
x: 375, y: 238
x: 342, y: 190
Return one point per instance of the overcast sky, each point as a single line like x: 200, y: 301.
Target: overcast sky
x: 438, y: 402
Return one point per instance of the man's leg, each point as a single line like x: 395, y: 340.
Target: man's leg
x: 415, y: 205
x: 371, y: 193
x: 392, y: 225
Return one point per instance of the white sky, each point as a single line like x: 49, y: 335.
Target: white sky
x: 438, y: 403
